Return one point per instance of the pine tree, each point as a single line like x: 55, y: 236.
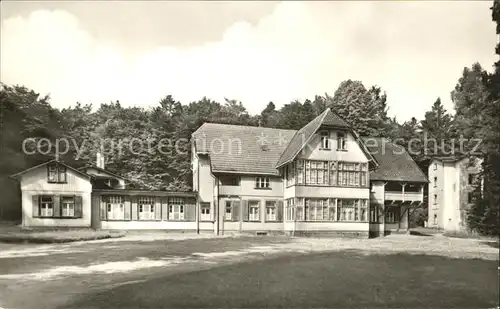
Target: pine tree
x: 438, y: 132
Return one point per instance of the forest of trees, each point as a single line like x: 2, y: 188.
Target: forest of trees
x: 26, y: 114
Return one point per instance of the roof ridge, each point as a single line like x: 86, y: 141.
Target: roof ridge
x: 242, y: 126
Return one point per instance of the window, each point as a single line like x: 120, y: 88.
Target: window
x: 435, y: 199
x: 346, y: 209
x: 56, y: 173
x: 472, y: 178
x: 229, y: 180
x: 176, y: 208
x: 471, y: 198
x: 435, y: 181
x: 146, y: 208
x: 68, y: 206
x: 115, y: 207
x: 46, y: 206
x: 262, y: 182
x: 253, y: 211
x: 317, y: 172
x: 391, y: 215
x: 435, y: 166
x: 300, y: 171
x: 290, y: 177
x: 435, y: 219
x: 352, y: 174
x: 205, y: 212
x: 229, y: 210
x: 317, y: 209
x: 341, y: 141
x: 374, y: 215
x: 290, y: 210
x: 333, y: 173
x: 271, y: 211
x: 325, y: 140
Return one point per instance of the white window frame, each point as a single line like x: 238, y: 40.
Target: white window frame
x: 47, y: 206
x: 146, y: 207
x: 325, y: 140
x: 67, y: 206
x: 176, y: 209
x: 253, y: 210
x: 228, y: 215
x: 271, y: 211
x: 205, y: 212
x: 262, y: 182
x: 341, y: 141
x: 115, y: 207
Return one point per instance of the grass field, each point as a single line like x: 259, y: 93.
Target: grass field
x: 398, y: 271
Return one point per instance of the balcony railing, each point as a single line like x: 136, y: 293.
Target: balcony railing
x: 406, y: 196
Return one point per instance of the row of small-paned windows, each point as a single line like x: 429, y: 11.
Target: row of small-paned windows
x: 251, y: 210
x: 324, y: 209
x: 116, y: 208
x: 327, y: 173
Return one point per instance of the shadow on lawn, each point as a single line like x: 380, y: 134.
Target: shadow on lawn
x: 493, y: 244
x: 313, y: 280
x: 418, y: 233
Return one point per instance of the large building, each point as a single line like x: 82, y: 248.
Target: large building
x: 322, y: 179
x: 451, y: 191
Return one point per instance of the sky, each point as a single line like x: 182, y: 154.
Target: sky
x: 254, y: 52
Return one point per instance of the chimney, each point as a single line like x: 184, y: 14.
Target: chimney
x: 98, y: 159
x: 102, y: 161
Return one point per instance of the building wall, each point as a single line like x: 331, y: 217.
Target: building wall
x: 247, y: 187
x: 35, y: 182
x: 436, y: 169
x: 240, y: 224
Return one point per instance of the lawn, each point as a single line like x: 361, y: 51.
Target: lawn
x: 251, y: 272
x: 328, y: 280
x: 18, y: 235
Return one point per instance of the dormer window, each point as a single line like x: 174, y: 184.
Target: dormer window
x: 325, y: 140
x: 56, y: 173
x: 341, y: 141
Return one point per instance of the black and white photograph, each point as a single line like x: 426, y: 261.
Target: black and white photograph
x: 249, y: 154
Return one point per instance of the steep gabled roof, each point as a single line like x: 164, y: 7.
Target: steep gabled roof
x: 395, y: 164
x: 326, y: 119
x: 241, y: 149
x: 50, y: 161
x: 300, y: 139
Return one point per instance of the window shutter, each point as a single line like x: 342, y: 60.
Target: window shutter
x: 235, y: 212
x: 57, y: 206
x: 164, y: 208
x: 78, y: 207
x: 135, y: 207
x: 279, y: 211
x: 158, y: 208
x: 190, y: 212
x: 244, y: 208
x: 128, y: 208
x: 36, y: 206
x: 103, y: 209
